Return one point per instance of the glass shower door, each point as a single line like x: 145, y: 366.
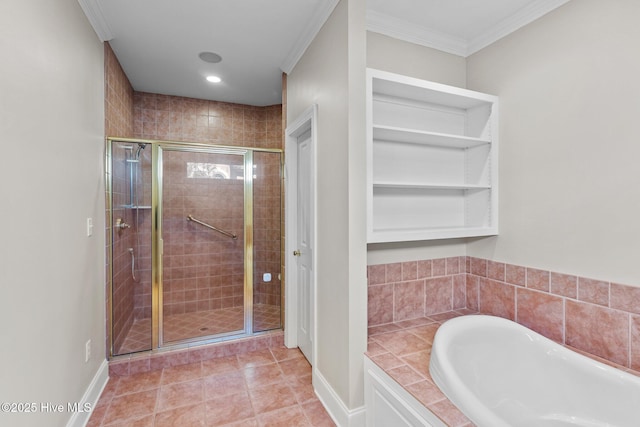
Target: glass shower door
x: 129, y: 188
x: 267, y: 236
x: 202, y: 235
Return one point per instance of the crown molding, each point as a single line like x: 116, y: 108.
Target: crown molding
x: 96, y: 18
x: 413, y: 33
x: 513, y: 23
x: 313, y: 27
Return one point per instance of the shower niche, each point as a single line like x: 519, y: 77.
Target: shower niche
x: 195, y: 253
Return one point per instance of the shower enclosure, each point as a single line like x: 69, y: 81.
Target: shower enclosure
x: 195, y: 243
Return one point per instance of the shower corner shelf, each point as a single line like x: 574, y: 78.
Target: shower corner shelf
x: 432, y: 160
x: 135, y: 207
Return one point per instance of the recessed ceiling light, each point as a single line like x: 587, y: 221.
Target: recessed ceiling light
x: 210, y: 57
x: 214, y: 79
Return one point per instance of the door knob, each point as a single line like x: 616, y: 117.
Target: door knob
x: 296, y: 253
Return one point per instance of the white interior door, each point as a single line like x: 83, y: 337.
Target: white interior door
x: 303, y: 252
x: 300, y: 177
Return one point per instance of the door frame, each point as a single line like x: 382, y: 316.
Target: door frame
x: 306, y: 122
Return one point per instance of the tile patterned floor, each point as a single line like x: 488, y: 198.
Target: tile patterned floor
x: 261, y: 388
x: 199, y: 324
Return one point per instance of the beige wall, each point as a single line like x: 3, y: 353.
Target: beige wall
x: 570, y: 103
x: 51, y: 180
x: 410, y: 59
x: 322, y: 76
x: 357, y: 204
x: 397, y: 56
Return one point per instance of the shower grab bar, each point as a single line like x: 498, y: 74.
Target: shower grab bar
x: 226, y: 233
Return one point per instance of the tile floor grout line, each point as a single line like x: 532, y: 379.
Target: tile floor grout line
x: 292, y: 367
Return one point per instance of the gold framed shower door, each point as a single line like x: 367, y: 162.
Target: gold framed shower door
x: 159, y: 152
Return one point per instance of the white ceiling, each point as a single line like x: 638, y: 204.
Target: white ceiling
x: 158, y: 41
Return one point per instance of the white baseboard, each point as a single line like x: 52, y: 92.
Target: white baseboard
x: 341, y: 415
x: 91, y: 396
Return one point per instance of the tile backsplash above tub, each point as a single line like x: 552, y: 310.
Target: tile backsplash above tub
x: 594, y: 316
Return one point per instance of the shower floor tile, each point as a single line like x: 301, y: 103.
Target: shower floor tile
x: 196, y: 324
x: 138, y: 338
x: 202, y: 323
x: 266, y: 317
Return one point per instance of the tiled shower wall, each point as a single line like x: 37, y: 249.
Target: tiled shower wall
x: 119, y: 121
x: 153, y: 116
x: 202, y: 270
x: 118, y: 97
x: 267, y: 218
x: 123, y: 285
x: 165, y: 117
x: 192, y: 282
x: 597, y: 317
x: 175, y: 118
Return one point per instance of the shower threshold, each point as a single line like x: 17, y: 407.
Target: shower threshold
x: 200, y: 324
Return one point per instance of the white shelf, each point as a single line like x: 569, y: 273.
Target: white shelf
x: 432, y: 160
x: 417, y: 90
x: 411, y: 136
x: 398, y: 185
x: 413, y: 234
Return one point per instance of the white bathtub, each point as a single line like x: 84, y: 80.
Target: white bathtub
x: 499, y: 373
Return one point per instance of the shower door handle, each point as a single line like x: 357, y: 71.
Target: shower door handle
x: 296, y: 253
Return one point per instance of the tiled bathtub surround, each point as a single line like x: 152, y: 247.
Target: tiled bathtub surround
x: 403, y: 351
x: 597, y: 317
x: 415, y: 289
